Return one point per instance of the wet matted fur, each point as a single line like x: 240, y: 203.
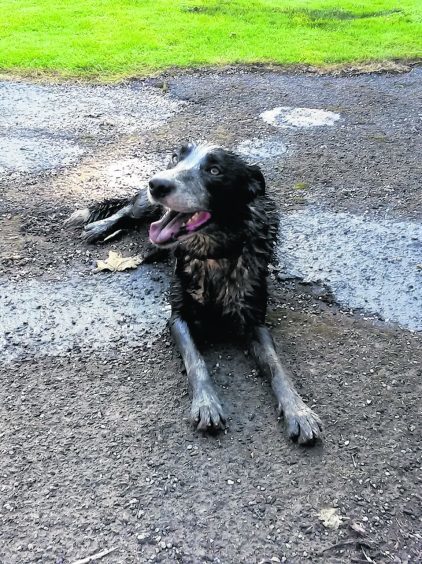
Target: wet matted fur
x: 222, y: 228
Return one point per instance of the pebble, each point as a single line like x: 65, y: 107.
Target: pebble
x: 142, y: 537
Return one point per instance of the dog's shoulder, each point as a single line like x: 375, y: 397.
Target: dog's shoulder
x: 261, y: 229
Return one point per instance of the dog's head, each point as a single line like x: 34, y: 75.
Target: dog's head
x: 203, y: 189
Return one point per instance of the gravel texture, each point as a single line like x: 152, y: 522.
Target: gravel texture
x: 96, y: 450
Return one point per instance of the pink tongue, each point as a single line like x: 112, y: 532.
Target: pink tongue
x: 201, y: 218
x: 159, y: 234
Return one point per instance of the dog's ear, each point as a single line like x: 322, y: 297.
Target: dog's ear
x: 257, y: 181
x: 179, y: 154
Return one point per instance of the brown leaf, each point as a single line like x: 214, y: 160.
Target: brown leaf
x: 116, y: 263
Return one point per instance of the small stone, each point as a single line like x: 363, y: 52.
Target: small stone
x: 230, y: 482
x: 142, y: 537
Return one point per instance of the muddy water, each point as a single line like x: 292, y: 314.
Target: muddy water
x: 290, y: 117
x: 369, y: 264
x: 52, y: 318
x: 261, y: 149
x: 47, y: 126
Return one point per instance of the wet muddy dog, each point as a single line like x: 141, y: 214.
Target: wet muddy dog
x: 222, y: 227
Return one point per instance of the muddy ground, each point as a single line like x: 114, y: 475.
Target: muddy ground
x: 96, y: 449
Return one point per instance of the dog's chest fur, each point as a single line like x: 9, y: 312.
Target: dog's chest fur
x: 220, y: 282
x: 223, y: 273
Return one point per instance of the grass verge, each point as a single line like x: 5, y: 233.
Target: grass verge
x: 122, y: 38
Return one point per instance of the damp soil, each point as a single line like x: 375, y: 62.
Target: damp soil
x: 96, y: 449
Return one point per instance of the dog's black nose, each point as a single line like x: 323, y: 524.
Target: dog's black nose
x: 160, y: 187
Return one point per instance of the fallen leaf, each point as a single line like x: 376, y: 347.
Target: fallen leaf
x: 116, y: 263
x: 330, y: 518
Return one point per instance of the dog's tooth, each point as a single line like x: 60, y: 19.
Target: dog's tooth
x: 194, y: 217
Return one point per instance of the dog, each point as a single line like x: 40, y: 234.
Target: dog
x: 222, y: 228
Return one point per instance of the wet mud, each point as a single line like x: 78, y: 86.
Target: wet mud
x: 96, y: 449
x: 373, y: 265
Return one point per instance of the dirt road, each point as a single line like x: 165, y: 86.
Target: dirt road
x: 96, y: 450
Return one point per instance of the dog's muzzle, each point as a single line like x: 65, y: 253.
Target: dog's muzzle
x: 160, y: 188
x: 176, y: 225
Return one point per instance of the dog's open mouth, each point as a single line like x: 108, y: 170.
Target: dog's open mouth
x: 173, y: 225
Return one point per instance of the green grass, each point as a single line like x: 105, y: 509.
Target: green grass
x: 118, y: 38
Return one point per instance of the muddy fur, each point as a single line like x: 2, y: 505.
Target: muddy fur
x: 222, y: 228
x: 224, y: 274
x: 221, y: 271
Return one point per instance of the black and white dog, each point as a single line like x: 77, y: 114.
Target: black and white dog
x: 222, y: 228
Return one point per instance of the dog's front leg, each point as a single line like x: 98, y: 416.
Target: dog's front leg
x: 303, y: 424
x: 207, y: 412
x: 131, y: 213
x: 100, y: 229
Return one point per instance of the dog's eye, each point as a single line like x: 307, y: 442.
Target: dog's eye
x: 175, y: 158
x: 214, y: 171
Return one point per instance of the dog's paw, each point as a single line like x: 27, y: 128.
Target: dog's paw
x: 78, y: 218
x: 207, y: 412
x: 303, y: 425
x: 95, y: 231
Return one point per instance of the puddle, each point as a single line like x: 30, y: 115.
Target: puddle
x: 289, y: 117
x: 34, y: 117
x: 261, y: 149
x: 131, y: 173
x: 369, y: 264
x: 33, y: 154
x: 52, y: 318
x: 83, y: 108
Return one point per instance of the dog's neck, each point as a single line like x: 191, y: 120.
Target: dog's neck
x: 216, y: 246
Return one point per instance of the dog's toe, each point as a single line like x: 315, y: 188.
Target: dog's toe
x: 304, y: 426
x: 94, y: 232
x: 208, y: 415
x: 90, y: 236
x: 204, y: 419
